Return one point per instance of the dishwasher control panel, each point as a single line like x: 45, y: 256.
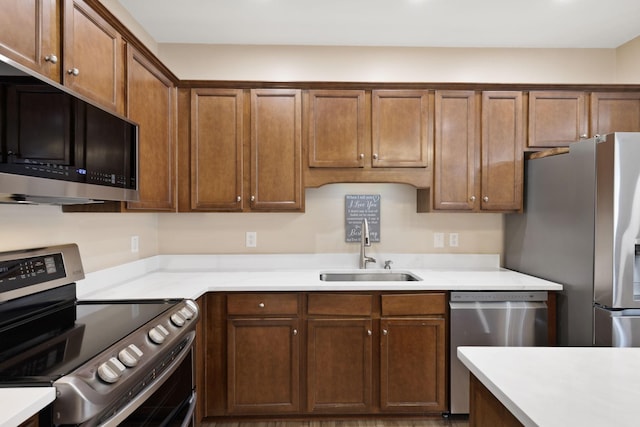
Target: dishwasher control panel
x: 498, y: 296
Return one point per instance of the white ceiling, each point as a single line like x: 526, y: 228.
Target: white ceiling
x: 430, y: 23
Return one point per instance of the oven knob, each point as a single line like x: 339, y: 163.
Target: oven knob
x: 177, y: 319
x: 163, y: 330
x: 156, y: 336
x: 111, y: 370
x: 186, y: 313
x: 127, y: 358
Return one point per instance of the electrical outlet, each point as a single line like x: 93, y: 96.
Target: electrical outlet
x: 453, y: 240
x: 251, y: 239
x: 438, y: 240
x: 135, y: 244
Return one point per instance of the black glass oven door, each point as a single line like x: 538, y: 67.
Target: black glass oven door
x: 171, y: 405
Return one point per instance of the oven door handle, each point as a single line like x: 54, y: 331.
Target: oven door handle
x: 188, y: 419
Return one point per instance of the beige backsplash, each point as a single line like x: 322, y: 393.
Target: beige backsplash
x: 321, y: 228
x: 104, y: 239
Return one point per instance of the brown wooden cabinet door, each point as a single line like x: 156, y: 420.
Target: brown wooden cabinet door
x: 29, y: 35
x: 502, y: 151
x: 93, y: 56
x: 614, y: 112
x: 263, y: 366
x: 151, y: 104
x: 400, y: 128
x: 456, y: 151
x: 336, y: 128
x: 556, y: 118
x: 339, y: 365
x: 412, y: 365
x: 276, y: 146
x: 216, y: 149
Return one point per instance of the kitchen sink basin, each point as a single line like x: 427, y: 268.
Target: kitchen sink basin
x: 370, y: 276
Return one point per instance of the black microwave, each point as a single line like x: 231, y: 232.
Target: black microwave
x: 58, y: 147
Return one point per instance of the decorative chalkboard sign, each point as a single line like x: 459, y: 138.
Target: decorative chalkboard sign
x: 356, y: 208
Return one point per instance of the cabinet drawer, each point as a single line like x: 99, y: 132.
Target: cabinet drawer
x: 262, y: 304
x: 414, y: 304
x: 340, y: 304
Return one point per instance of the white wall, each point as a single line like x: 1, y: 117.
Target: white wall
x: 103, y: 239
x: 387, y: 64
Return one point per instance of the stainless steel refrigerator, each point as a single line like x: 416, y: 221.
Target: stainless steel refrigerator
x: 581, y: 228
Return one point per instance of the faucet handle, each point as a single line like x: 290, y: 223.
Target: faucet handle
x: 387, y: 264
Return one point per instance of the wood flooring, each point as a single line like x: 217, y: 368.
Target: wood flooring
x: 425, y: 422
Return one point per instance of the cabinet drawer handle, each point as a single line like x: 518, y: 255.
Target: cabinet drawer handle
x: 485, y: 199
x: 369, y: 333
x: 51, y: 58
x: 73, y: 71
x: 295, y: 332
x: 385, y: 332
x: 261, y: 305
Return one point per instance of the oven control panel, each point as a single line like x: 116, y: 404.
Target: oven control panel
x: 111, y: 380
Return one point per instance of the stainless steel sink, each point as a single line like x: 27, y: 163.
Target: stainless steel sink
x: 369, y: 276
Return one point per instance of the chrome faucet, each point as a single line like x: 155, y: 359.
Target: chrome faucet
x: 365, y: 241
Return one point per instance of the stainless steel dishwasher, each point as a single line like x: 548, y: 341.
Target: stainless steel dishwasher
x: 505, y: 318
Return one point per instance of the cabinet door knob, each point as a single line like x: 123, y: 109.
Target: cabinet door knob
x: 238, y: 199
x: 73, y: 71
x: 51, y: 58
x: 261, y: 305
x: 375, y: 156
x: 295, y: 332
x: 369, y: 333
x: 361, y: 155
x: 583, y: 136
x: 472, y: 198
x: 485, y: 199
x: 253, y: 198
x: 385, y: 332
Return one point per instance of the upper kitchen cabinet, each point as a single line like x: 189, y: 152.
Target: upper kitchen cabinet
x: 478, y: 152
x: 336, y: 128
x: 557, y: 118
x: 456, y: 151
x: 400, y: 128
x: 614, y: 112
x: 29, y: 35
x: 367, y: 136
x: 151, y: 102
x: 241, y: 142
x: 93, y: 56
x: 502, y: 151
x: 217, y: 117
x: 276, y: 150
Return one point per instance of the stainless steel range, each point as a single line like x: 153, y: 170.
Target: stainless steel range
x: 111, y: 362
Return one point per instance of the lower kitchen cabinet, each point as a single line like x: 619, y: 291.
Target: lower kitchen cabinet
x: 413, y: 346
x: 412, y: 354
x: 263, y: 354
x: 263, y: 366
x: 339, y: 365
x: 324, y: 353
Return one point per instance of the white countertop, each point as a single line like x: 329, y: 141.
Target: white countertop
x: 191, y: 276
x: 18, y: 404
x: 561, y: 386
